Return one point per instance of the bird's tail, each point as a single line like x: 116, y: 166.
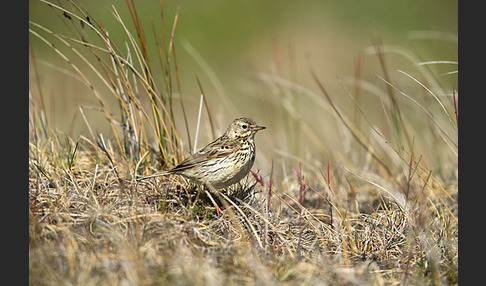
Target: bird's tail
x: 154, y: 175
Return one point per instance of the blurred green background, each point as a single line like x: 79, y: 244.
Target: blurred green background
x: 234, y: 46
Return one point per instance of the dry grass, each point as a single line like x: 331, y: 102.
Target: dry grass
x: 383, y: 212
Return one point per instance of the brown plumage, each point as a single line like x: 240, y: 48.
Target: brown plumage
x: 223, y: 162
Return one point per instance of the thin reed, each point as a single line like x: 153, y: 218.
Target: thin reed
x: 377, y: 208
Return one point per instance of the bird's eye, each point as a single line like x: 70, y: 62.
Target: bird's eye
x: 244, y: 126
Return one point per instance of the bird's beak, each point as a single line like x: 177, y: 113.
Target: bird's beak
x: 256, y: 128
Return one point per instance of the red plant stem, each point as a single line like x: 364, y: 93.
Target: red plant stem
x: 328, y: 175
x: 328, y: 200
x: 455, y: 106
x: 269, y: 194
x: 267, y: 207
x: 300, y: 177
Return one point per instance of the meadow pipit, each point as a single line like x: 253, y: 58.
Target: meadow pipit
x: 223, y: 162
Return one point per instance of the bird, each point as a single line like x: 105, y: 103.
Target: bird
x: 224, y: 161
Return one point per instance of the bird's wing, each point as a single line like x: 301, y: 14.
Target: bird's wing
x: 216, y: 149
x: 219, y: 148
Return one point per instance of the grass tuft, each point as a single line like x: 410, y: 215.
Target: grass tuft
x: 378, y: 209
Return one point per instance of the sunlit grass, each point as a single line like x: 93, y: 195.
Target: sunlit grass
x: 381, y: 209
